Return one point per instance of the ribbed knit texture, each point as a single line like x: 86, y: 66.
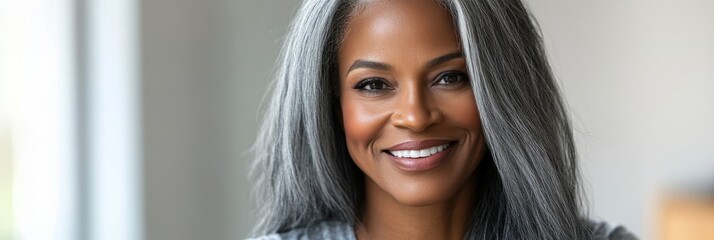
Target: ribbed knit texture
x: 322, y: 230
x: 344, y: 231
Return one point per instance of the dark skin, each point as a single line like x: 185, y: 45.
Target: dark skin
x: 403, y: 78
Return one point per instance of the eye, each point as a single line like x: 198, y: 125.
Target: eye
x: 451, y: 78
x: 373, y: 85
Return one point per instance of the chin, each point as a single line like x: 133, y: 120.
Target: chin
x: 421, y: 201
x: 421, y: 194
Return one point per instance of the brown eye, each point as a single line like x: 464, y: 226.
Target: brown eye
x: 374, y: 86
x: 450, y: 78
x: 371, y: 85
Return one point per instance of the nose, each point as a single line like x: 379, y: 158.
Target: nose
x: 414, y: 110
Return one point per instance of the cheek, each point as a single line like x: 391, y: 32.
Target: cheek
x: 463, y: 112
x: 363, y: 123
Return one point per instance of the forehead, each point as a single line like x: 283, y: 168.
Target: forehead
x: 389, y: 30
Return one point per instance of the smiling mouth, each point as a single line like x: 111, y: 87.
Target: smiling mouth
x: 419, y: 153
x: 420, y: 156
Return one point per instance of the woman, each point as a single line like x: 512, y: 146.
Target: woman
x: 405, y: 119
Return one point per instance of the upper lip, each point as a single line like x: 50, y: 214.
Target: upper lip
x: 416, y: 145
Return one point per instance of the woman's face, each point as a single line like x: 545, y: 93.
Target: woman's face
x: 408, y: 110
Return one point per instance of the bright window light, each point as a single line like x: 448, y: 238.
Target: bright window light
x: 36, y: 120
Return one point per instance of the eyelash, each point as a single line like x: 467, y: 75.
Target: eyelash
x: 362, y: 85
x: 462, y: 77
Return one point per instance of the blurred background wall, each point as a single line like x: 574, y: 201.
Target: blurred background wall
x: 639, y: 78
x: 637, y: 75
x: 206, y: 65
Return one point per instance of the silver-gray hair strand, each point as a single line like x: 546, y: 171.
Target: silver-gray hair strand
x: 529, y: 180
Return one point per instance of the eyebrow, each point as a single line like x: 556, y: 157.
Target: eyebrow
x: 370, y: 64
x: 386, y: 67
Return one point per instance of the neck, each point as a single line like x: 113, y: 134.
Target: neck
x: 385, y: 218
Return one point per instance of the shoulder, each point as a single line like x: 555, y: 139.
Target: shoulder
x: 604, y: 231
x: 341, y: 230
x: 321, y: 230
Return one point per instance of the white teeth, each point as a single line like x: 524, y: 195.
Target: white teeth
x: 419, y: 153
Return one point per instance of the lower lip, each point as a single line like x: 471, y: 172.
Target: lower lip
x: 420, y: 164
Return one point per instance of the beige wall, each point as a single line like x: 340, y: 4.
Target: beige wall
x: 639, y: 78
x: 205, y: 67
x: 637, y: 74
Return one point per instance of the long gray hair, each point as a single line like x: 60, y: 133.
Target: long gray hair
x: 529, y: 180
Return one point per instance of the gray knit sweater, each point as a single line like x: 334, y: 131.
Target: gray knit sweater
x: 342, y: 230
